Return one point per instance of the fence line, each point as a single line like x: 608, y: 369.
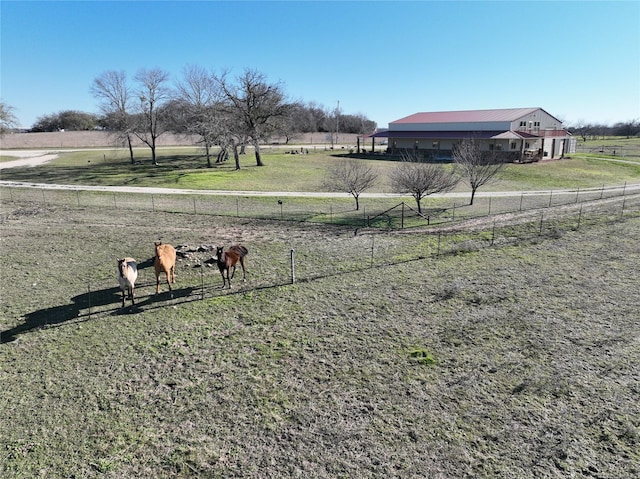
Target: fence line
x: 376, y: 249
x: 436, y: 211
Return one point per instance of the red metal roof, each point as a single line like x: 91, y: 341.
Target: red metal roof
x: 507, y: 114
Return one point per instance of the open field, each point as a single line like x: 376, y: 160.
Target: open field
x: 186, y: 168
x: 614, y: 147
x: 500, y: 341
x: 298, y: 180
x: 511, y: 353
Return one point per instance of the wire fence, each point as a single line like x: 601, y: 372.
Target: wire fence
x: 346, y: 253
x: 375, y: 213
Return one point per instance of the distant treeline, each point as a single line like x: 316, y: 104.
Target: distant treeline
x: 595, y: 131
x: 308, y: 118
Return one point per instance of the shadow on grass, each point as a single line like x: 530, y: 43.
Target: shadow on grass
x: 83, y: 306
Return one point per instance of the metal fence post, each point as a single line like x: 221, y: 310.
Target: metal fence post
x: 493, y: 232
x: 579, y: 218
x: 201, y: 282
x: 541, y: 217
x: 89, y: 295
x: 373, y: 239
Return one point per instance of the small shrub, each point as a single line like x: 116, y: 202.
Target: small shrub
x: 422, y: 356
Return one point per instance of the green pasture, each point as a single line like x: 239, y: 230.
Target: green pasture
x: 187, y: 168
x: 611, y: 147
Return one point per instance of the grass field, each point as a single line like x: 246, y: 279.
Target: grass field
x: 384, y: 359
x: 504, y: 346
x: 186, y: 168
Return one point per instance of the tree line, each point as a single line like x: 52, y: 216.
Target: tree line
x: 595, y: 131
x: 220, y: 110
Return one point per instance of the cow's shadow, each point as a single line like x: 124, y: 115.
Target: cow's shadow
x: 83, y: 306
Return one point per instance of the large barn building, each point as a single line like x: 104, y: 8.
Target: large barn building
x: 516, y: 134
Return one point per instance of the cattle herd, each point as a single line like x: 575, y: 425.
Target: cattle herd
x: 165, y: 262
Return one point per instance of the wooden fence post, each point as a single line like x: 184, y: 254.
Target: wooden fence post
x: 293, y: 267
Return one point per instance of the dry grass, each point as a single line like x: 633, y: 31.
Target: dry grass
x: 513, y: 361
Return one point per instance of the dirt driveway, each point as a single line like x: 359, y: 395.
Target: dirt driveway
x: 27, y: 158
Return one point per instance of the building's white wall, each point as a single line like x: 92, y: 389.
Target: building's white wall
x: 537, y: 121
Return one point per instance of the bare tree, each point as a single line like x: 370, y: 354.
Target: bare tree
x: 154, y: 95
x: 351, y: 176
x: 421, y: 179
x: 8, y: 120
x: 111, y: 87
x: 199, y: 96
x: 581, y: 128
x: 256, y: 104
x: 475, y: 166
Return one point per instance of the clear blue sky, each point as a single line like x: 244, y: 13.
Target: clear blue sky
x: 579, y: 60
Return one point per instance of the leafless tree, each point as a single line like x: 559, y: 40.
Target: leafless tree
x: 351, y: 176
x: 8, y: 120
x: 199, y: 101
x: 420, y: 179
x: 256, y: 104
x: 154, y: 94
x: 476, y: 167
x: 582, y: 128
x: 112, y: 88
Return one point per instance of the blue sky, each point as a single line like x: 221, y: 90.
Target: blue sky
x: 579, y: 60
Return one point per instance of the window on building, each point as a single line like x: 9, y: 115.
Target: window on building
x: 514, y: 145
x: 435, y: 145
x: 523, y: 123
x: 536, y: 123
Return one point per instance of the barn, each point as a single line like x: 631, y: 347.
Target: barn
x: 516, y: 134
